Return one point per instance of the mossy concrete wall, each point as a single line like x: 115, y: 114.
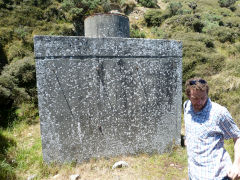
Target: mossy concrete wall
x: 102, y: 97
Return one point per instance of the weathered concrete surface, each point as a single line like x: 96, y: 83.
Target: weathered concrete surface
x: 106, y: 25
x: 108, y: 96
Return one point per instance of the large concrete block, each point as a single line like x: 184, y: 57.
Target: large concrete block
x: 103, y: 97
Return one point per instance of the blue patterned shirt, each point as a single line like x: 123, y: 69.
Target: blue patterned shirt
x: 205, y: 134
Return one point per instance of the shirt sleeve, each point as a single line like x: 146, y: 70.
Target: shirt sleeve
x: 228, y: 126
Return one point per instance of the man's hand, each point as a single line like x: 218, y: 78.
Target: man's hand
x: 234, y: 172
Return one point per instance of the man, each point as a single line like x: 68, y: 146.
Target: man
x: 207, y: 124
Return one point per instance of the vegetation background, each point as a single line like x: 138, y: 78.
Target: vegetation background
x: 209, y: 30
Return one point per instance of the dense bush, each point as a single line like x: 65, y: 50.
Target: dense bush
x: 193, y: 5
x: 155, y: 17
x: 197, y: 25
x: 6, y: 4
x: 17, y: 85
x: 174, y: 8
x: 53, y: 13
x: 191, y: 21
x: 6, y: 35
x: 213, y: 63
x: 199, y: 39
x: 128, y: 6
x: 234, y: 50
x: 225, y: 34
x: 77, y: 10
x: 231, y: 22
x: 191, y: 52
x: 16, y: 50
x: 148, y: 3
x: 226, y: 3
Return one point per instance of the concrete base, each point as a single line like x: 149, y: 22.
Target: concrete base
x: 107, y: 97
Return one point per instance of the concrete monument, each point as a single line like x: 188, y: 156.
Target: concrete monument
x: 106, y: 94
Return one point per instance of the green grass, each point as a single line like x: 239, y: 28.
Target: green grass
x: 21, y: 156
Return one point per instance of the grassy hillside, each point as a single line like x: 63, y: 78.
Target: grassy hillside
x: 209, y: 30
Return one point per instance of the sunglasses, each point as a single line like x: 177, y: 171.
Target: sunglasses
x: 194, y: 82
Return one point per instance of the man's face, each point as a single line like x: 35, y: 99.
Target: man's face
x: 198, y: 99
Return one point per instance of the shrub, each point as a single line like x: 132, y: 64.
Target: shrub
x: 148, y: 3
x: 194, y: 22
x: 174, y: 7
x: 225, y: 12
x: 76, y: 11
x: 202, y: 63
x: 209, y: 27
x: 17, y: 50
x: 184, y: 11
x: 17, y: 85
x: 225, y: 34
x: 6, y: 4
x: 155, y: 17
x: 197, y: 25
x: 231, y: 22
x: 159, y: 33
x: 27, y: 16
x: 6, y: 35
x: 234, y: 50
x: 226, y: 3
x: 193, y: 5
x: 22, y: 32
x: 128, y: 6
x: 214, y: 63
x: 17, y: 81
x: 198, y: 59
x: 199, y: 39
x: 136, y: 33
x: 63, y: 29
x: 209, y: 43
x: 237, y: 11
x: 189, y: 65
x: 237, y: 46
x: 192, y: 53
x: 52, y: 13
x: 43, y: 4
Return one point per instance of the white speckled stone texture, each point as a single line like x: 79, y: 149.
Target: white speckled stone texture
x: 103, y: 97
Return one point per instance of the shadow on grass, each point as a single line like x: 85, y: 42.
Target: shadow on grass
x: 6, y: 163
x: 7, y: 116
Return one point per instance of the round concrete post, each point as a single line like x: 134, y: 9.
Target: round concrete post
x: 106, y: 25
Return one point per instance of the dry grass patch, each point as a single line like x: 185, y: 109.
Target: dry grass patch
x: 166, y: 166
x: 27, y: 157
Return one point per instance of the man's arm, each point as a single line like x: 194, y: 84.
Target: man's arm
x: 234, y: 172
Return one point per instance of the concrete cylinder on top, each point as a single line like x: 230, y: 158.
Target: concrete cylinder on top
x: 106, y: 25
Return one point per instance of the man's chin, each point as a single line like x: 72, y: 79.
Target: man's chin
x: 197, y: 109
